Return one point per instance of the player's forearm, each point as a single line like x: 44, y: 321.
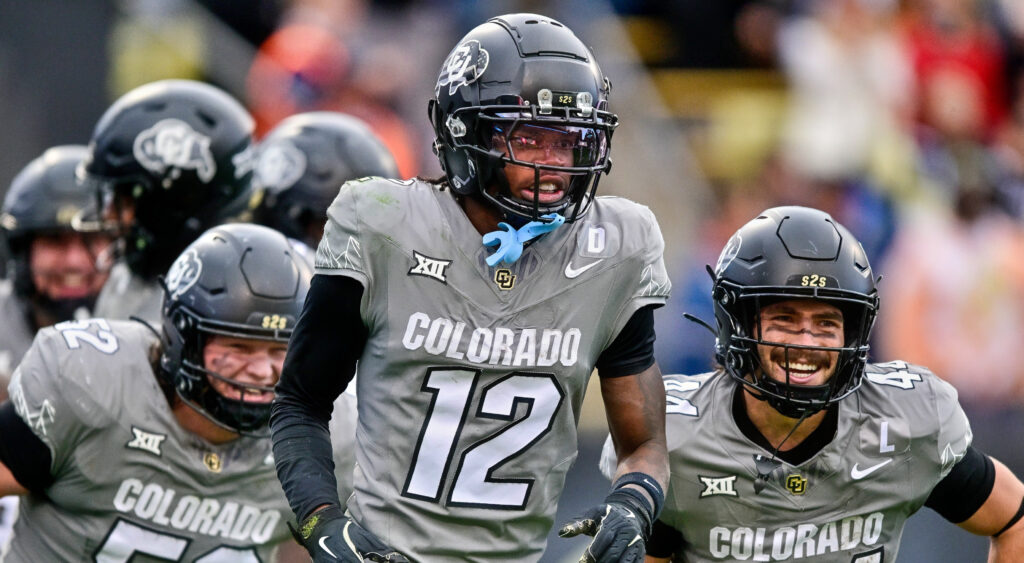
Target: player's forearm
x: 1008, y: 547
x: 635, y: 406
x: 303, y: 457
x: 649, y: 457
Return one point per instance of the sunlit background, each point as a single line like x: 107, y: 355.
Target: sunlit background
x: 904, y: 119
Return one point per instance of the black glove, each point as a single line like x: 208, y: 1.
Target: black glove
x: 621, y: 525
x: 329, y: 536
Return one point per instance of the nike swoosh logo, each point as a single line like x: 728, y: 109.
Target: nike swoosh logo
x: 324, y: 547
x: 571, y: 272
x: 862, y: 473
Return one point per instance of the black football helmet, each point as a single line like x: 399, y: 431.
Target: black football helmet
x: 239, y: 280
x: 303, y: 161
x: 793, y: 253
x: 44, y: 198
x: 515, y: 73
x: 181, y: 152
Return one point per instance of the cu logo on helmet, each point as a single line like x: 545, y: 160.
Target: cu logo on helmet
x: 280, y: 165
x: 173, y: 144
x: 464, y: 66
x: 184, y: 273
x: 732, y: 249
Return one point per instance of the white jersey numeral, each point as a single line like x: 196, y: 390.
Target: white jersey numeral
x: 474, y: 484
x: 76, y: 332
x: 127, y: 539
x: 678, y: 405
x: 902, y: 377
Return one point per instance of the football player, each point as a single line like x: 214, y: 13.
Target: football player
x: 167, y: 161
x: 477, y: 307
x: 797, y: 448
x: 56, y: 272
x: 302, y: 163
x: 131, y: 442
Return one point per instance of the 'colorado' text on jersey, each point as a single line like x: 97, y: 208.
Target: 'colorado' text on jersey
x: 472, y: 378
x: 130, y: 483
x: 898, y: 436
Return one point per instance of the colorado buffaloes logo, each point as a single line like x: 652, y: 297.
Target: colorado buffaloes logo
x: 184, y: 273
x: 280, y: 165
x: 172, y: 143
x: 796, y: 484
x: 505, y: 279
x: 462, y: 67
x: 732, y: 249
x: 212, y: 462
x: 430, y: 267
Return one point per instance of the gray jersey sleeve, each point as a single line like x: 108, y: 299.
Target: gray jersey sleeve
x: 58, y: 409
x: 341, y: 250
x: 654, y: 286
x: 642, y: 245
x: 953, y: 434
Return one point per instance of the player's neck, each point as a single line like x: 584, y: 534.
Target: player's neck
x: 196, y: 423
x: 775, y: 427
x: 481, y: 214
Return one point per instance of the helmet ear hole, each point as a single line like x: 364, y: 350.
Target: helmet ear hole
x: 736, y: 362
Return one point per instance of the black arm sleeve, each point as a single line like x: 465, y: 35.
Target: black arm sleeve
x: 23, y: 452
x: 326, y: 343
x: 664, y: 541
x: 632, y: 351
x: 965, y: 489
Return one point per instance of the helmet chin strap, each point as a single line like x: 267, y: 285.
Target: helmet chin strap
x: 765, y: 466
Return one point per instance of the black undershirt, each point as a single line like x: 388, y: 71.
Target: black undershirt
x: 633, y: 349
x: 819, y: 438
x: 27, y: 457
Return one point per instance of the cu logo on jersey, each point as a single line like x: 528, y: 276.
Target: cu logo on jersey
x: 172, y: 143
x: 796, y: 484
x: 280, y: 165
x: 184, y: 273
x: 462, y: 67
x: 505, y: 279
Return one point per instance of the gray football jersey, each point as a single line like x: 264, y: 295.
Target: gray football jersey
x: 126, y: 295
x: 472, y: 378
x: 897, y: 437
x: 129, y: 482
x: 16, y: 336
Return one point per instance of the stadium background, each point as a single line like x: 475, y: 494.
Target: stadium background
x: 901, y: 117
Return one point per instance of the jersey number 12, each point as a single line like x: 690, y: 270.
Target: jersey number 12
x: 474, y: 484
